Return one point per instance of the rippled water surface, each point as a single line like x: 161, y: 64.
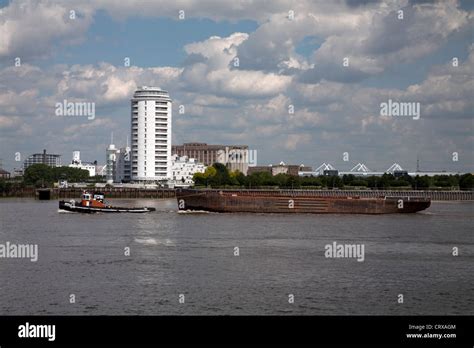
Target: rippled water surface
x: 193, y: 254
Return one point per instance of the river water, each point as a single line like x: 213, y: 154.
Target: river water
x: 192, y: 258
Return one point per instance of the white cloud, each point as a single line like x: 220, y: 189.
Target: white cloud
x: 11, y: 122
x: 118, y: 89
x: 77, y: 130
x: 293, y: 141
x: 215, y: 74
x: 29, y: 28
x: 212, y: 100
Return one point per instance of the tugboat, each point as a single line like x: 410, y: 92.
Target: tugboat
x: 94, y: 203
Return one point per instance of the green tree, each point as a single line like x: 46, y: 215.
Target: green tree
x: 38, y: 175
x: 210, y: 172
x: 359, y: 182
x: 267, y: 179
x: 293, y: 181
x: 241, y: 179
x: 222, y: 177
x: 422, y: 182
x: 334, y: 181
x: 311, y: 181
x: 69, y: 174
x: 44, y: 175
x: 5, y: 186
x: 281, y: 180
x: 348, y: 179
x: 257, y: 179
x: 399, y: 182
x: 199, y: 179
x: 446, y: 180
x: 373, y: 182
x: 466, y: 182
x: 205, y: 179
x: 233, y: 178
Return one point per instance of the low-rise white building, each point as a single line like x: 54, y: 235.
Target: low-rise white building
x: 183, y: 169
x: 77, y: 163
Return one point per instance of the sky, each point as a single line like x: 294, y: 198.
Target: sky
x: 308, y: 87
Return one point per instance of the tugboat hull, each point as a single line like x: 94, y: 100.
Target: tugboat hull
x: 74, y: 206
x: 254, y: 201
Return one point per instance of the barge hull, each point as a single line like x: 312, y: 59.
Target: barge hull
x: 298, y: 202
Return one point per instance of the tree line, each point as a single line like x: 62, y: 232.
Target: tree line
x: 218, y: 175
x: 42, y: 175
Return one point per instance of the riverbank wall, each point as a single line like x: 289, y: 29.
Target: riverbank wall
x: 125, y: 193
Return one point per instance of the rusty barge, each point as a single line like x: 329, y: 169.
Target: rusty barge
x: 294, y: 201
